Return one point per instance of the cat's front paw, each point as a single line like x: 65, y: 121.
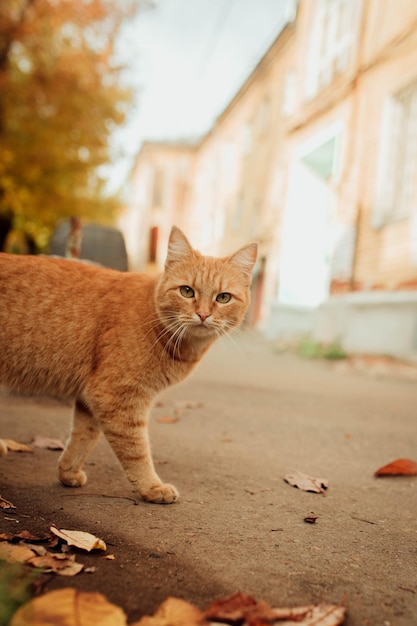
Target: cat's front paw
x: 161, y: 494
x: 72, y: 479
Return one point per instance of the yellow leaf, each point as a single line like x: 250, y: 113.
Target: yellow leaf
x: 69, y: 607
x: 173, y: 612
x: 79, y: 539
x: 15, y: 554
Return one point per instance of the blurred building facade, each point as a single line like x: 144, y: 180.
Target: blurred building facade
x: 315, y: 157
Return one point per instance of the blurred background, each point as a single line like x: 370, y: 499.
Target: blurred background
x: 290, y: 123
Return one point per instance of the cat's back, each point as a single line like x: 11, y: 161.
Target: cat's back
x: 52, y: 311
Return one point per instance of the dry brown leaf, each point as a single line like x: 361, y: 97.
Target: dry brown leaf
x: 13, y: 553
x: 16, y: 446
x: 167, y: 420
x: 174, y: 612
x: 47, y: 443
x: 62, y: 564
x: 243, y: 609
x: 109, y: 557
x: 69, y: 607
x: 305, y: 482
x: 232, y: 608
x: 79, y: 539
x: 400, y: 467
x: 3, y: 447
x: 24, y: 535
x: 5, y: 504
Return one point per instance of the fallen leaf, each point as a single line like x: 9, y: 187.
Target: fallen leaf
x: 109, y: 557
x: 311, y: 519
x: 306, y: 483
x: 47, y: 443
x: 400, y: 467
x: 69, y: 607
x: 3, y: 447
x: 5, y: 504
x: 230, y: 608
x: 24, y: 535
x: 37, y: 549
x: 167, y: 420
x: 173, y: 612
x: 242, y: 609
x: 16, y: 446
x: 79, y: 539
x: 13, y: 553
x: 320, y: 615
x: 61, y: 564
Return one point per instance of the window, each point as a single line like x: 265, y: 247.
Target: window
x: 332, y: 41
x: 396, y: 183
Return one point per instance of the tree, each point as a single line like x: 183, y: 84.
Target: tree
x: 61, y: 97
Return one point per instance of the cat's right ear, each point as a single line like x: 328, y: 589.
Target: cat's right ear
x: 179, y: 247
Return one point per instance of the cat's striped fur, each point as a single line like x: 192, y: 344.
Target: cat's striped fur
x: 112, y: 341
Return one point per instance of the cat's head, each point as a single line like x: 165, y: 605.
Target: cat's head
x: 201, y: 295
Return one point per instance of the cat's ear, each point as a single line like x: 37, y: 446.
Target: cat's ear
x: 179, y: 247
x: 245, y: 258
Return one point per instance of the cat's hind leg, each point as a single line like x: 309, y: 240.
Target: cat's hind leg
x: 84, y: 433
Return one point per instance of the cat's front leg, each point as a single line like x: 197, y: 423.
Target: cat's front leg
x: 127, y: 432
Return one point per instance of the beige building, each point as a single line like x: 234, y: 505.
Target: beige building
x: 315, y: 157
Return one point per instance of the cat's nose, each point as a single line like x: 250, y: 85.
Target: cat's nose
x: 202, y: 316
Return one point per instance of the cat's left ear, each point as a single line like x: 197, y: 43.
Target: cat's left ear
x: 179, y: 247
x: 245, y: 258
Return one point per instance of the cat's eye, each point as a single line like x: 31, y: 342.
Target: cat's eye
x: 186, y: 291
x: 223, y: 298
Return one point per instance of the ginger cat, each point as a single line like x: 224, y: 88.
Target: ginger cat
x: 111, y: 341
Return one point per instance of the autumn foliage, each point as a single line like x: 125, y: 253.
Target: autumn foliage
x: 61, y: 97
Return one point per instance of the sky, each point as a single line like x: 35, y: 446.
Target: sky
x: 187, y: 58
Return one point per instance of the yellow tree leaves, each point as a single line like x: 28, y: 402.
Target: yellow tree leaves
x: 61, y: 96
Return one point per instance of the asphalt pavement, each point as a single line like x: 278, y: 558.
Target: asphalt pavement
x: 226, y: 438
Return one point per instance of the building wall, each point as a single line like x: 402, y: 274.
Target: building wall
x: 307, y: 159
x: 159, y: 198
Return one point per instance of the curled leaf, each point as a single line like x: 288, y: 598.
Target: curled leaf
x: 306, y: 483
x: 79, y: 539
x: 61, y: 564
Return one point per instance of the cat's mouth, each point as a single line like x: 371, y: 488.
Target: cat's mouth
x: 202, y: 326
